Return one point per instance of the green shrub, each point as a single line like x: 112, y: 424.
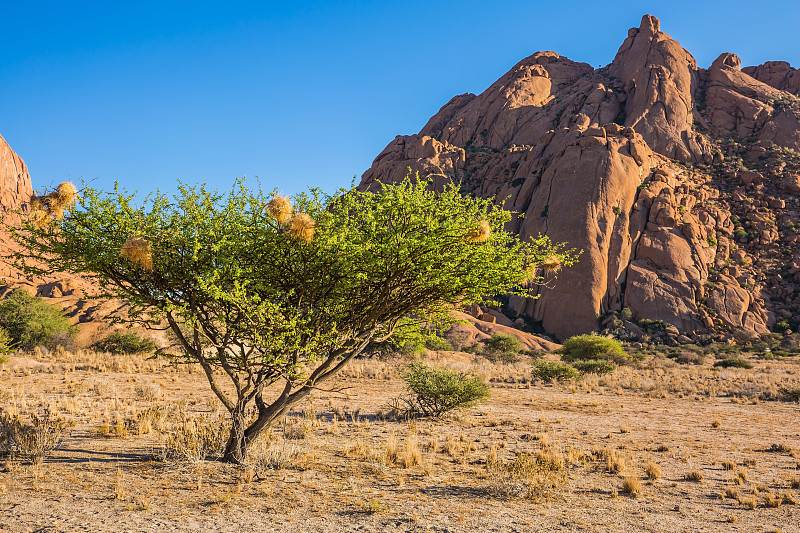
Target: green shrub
x: 550, y: 370
x: 594, y: 366
x: 412, y: 349
x: 124, y: 343
x: 782, y: 326
x: 502, y: 343
x: 734, y: 362
x: 593, y: 347
x: 435, y: 391
x: 30, y: 321
x: 438, y: 344
x: 6, y: 345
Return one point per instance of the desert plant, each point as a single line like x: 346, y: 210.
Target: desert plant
x: 503, y: 343
x: 284, y: 304
x: 124, y: 343
x: 435, y: 391
x: 30, y: 321
x: 6, y: 345
x: 531, y: 476
x: 734, y: 362
x: 551, y: 370
x: 593, y: 347
x: 594, y: 366
x: 437, y: 343
x: 32, y: 440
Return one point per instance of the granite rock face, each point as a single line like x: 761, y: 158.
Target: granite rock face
x: 678, y: 183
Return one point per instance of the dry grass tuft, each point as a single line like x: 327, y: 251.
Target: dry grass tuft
x: 653, y: 470
x: 728, y: 465
x: 632, y: 485
x: 280, y: 208
x: 302, y: 227
x: 138, y: 251
x: 694, y: 475
x: 528, y: 476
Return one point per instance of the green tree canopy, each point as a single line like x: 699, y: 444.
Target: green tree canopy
x: 276, y: 296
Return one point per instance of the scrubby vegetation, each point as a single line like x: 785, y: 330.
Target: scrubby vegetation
x: 30, y: 321
x: 125, y: 343
x: 593, y: 347
x: 436, y: 391
x: 552, y: 370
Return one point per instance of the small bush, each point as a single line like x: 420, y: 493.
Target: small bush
x: 124, y: 343
x: 551, y: 370
x: 412, y: 349
x: 434, y: 391
x: 502, y: 343
x: 6, y: 345
x: 438, y: 344
x: 30, y: 321
x: 734, y: 362
x: 33, y: 440
x: 195, y: 439
x: 593, y: 347
x: 593, y: 366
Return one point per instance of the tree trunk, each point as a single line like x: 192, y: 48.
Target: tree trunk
x: 236, y: 448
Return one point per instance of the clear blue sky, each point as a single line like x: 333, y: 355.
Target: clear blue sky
x: 297, y: 93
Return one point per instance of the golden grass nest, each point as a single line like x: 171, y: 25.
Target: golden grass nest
x: 550, y: 264
x: 302, y: 227
x: 480, y: 232
x: 280, y: 208
x: 138, y: 251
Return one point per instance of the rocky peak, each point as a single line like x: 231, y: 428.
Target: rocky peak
x: 681, y: 185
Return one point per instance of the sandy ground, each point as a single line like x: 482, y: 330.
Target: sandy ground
x: 348, y: 467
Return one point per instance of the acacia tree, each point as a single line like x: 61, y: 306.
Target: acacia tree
x: 272, y: 299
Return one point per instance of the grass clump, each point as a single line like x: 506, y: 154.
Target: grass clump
x: 734, y: 362
x: 435, y: 391
x: 593, y: 347
x: 124, y: 343
x: 31, y: 322
x: 594, y: 366
x: 528, y: 476
x: 551, y: 370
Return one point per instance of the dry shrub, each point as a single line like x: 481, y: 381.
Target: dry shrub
x: 138, y: 251
x: 280, y: 208
x: 31, y: 440
x: 728, y: 465
x: 148, y: 420
x: 301, y: 227
x: 267, y: 455
x: 194, y: 439
x: 297, y: 430
x: 527, y: 476
x: 479, y: 233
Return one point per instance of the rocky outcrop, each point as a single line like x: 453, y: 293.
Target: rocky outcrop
x: 777, y: 74
x: 15, y: 183
x: 651, y: 166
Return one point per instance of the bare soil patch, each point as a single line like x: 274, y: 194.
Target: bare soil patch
x: 658, y: 447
